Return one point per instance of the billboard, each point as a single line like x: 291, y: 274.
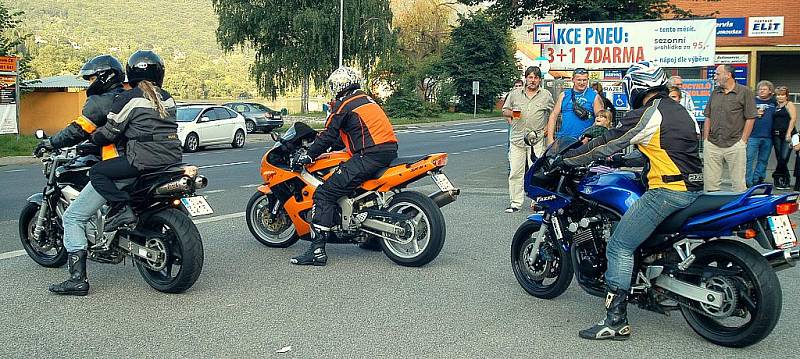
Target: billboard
x: 673, y: 43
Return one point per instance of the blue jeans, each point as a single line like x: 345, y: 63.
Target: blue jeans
x: 77, y: 215
x: 636, y: 226
x: 758, y: 152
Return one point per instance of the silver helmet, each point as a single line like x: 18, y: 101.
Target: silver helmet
x: 642, y: 78
x: 342, y: 79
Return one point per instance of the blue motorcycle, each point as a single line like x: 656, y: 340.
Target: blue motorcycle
x: 726, y: 290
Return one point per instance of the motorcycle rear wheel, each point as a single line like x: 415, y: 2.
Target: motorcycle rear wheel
x: 275, y: 232
x: 425, y: 231
x: 178, y: 239
x: 551, y: 273
x: 758, y: 294
x: 49, y: 256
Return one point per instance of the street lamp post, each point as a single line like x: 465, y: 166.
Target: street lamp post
x: 341, y: 31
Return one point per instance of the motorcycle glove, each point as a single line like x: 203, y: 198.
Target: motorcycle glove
x: 42, y: 147
x: 299, y: 161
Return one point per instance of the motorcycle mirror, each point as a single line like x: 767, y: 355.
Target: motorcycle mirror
x: 275, y: 136
x: 40, y: 134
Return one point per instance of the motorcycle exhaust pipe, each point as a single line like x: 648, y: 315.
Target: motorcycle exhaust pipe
x: 182, y: 184
x: 443, y: 198
x: 200, y: 182
x: 782, y: 259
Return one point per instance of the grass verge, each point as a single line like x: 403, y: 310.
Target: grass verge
x: 10, y: 146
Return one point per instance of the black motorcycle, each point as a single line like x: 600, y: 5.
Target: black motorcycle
x: 164, y: 245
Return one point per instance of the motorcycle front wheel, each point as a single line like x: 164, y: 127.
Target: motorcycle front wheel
x: 545, y: 272
x: 174, y: 235
x: 272, y: 231
x: 46, y: 251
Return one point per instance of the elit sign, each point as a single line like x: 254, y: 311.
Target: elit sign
x: 765, y: 26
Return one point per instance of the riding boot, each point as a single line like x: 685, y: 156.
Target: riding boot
x: 120, y: 215
x: 77, y: 284
x: 615, y: 325
x: 315, y: 254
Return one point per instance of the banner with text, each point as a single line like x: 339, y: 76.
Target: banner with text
x: 8, y: 95
x: 672, y: 43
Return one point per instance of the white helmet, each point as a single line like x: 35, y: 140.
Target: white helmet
x: 343, y: 78
x: 642, y: 78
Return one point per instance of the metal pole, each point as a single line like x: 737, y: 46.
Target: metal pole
x: 17, y: 89
x: 475, y: 110
x: 341, y: 31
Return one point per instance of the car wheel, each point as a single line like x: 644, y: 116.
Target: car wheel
x: 192, y: 143
x: 251, y: 126
x: 238, y: 139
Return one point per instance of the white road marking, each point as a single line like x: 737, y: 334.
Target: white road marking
x: 461, y: 135
x: 214, y: 191
x: 11, y: 171
x: 479, y: 149
x: 226, y: 164
x: 12, y: 254
x: 250, y: 185
x: 219, y: 218
x: 18, y: 253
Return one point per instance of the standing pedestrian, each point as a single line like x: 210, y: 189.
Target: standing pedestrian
x: 686, y: 99
x: 526, y: 110
x: 730, y: 113
x: 577, y: 107
x: 760, y: 143
x: 783, y: 127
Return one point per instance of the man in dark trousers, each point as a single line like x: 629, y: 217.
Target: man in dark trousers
x: 368, y: 136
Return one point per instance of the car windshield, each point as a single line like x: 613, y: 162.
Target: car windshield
x: 187, y: 114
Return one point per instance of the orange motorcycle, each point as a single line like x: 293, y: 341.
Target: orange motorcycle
x: 408, y: 224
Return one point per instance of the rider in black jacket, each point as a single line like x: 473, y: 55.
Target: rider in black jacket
x: 143, y: 132
x: 106, y: 75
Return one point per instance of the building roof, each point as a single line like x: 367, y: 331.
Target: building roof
x: 64, y: 81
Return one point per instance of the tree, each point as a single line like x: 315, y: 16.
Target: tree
x: 296, y: 40
x: 11, y: 39
x: 515, y: 11
x: 481, y: 49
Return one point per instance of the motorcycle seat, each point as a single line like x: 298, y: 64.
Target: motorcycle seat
x: 146, y: 177
x: 705, y: 203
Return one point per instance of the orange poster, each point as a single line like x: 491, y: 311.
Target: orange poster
x: 8, y: 64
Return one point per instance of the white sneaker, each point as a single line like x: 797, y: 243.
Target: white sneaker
x: 511, y: 209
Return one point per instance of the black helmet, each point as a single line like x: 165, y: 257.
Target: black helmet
x: 145, y: 65
x: 108, y: 71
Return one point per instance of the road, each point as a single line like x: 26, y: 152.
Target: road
x: 249, y: 302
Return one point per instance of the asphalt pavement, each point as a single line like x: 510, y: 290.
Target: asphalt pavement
x: 250, y: 302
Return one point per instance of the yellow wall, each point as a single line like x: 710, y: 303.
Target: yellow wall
x: 50, y: 111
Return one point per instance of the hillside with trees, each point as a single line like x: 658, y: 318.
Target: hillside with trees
x: 64, y: 34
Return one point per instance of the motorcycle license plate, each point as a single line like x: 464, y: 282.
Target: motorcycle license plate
x: 443, y: 183
x: 197, y: 206
x: 782, y: 231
